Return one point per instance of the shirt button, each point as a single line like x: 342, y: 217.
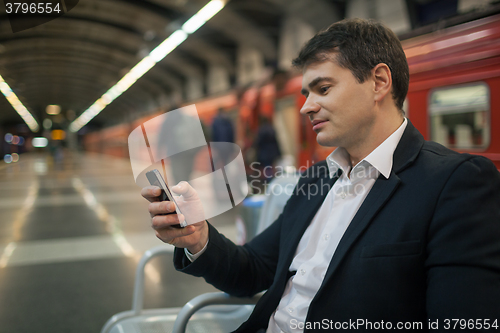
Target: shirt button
x: 326, y: 237
x: 290, y: 310
x: 302, y: 272
x: 342, y: 195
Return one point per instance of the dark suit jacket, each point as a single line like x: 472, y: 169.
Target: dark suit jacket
x: 424, y: 245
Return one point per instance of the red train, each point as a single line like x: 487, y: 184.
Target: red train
x: 453, y: 99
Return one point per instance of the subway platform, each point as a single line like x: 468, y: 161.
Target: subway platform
x: 72, y: 230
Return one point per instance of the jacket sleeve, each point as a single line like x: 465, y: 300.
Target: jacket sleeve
x: 463, y: 249
x: 238, y: 270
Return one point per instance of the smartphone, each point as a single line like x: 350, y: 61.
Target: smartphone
x: 155, y: 178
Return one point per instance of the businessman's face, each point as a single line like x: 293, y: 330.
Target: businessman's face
x: 341, y: 109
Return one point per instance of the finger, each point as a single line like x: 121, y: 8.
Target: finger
x: 161, y: 207
x: 163, y: 237
x: 151, y: 193
x: 183, y: 231
x: 159, y: 236
x: 164, y: 221
x: 184, y: 189
x: 172, y: 235
x: 190, y: 229
x: 197, y: 224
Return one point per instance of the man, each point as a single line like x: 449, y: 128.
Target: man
x: 222, y: 131
x: 222, y: 128
x: 408, y: 236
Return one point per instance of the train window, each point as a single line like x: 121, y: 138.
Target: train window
x: 459, y: 116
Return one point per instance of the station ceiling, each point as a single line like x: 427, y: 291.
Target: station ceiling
x: 72, y: 60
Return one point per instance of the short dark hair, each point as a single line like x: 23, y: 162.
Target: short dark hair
x: 360, y: 45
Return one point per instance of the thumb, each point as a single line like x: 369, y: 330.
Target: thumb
x: 184, y: 189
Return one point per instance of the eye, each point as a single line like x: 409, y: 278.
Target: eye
x: 324, y: 89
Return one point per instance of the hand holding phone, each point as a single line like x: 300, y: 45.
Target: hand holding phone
x: 195, y: 235
x: 155, y: 178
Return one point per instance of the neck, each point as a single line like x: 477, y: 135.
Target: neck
x: 378, y: 134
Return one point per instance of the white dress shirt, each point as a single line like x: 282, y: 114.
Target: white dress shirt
x: 320, y: 240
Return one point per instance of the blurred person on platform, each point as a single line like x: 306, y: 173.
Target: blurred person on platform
x: 222, y: 131
x: 182, y: 163
x: 267, y: 148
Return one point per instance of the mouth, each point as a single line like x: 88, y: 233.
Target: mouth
x: 317, y: 124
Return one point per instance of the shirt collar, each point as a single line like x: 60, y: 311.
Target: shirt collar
x: 338, y: 159
x: 380, y: 158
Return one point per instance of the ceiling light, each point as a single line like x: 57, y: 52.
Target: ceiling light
x: 200, y: 18
x: 39, y: 142
x: 53, y: 109
x: 18, y: 106
x: 168, y: 45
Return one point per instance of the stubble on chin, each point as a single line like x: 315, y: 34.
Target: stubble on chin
x: 325, y: 141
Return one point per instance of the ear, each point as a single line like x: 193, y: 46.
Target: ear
x: 383, y: 81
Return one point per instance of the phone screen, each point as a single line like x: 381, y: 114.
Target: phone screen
x: 155, y: 178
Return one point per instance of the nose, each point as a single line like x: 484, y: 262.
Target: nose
x: 310, y: 106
